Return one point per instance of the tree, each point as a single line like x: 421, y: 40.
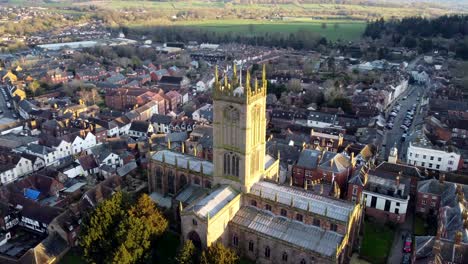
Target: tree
x: 218, y: 254
x: 95, y: 238
x: 121, y: 231
x: 34, y: 86
x: 294, y: 85
x: 187, y: 253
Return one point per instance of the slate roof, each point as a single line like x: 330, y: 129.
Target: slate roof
x: 127, y: 168
x: 170, y: 80
x: 139, y: 126
x: 309, y: 158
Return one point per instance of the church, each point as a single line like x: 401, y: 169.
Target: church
x: 237, y: 199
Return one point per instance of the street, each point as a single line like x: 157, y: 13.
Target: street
x: 7, y: 113
x: 393, y: 136
x: 396, y: 252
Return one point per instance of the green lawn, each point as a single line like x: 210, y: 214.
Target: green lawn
x: 376, y: 243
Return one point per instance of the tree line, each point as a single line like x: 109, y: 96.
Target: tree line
x: 443, y: 33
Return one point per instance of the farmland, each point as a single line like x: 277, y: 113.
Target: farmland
x: 332, y: 30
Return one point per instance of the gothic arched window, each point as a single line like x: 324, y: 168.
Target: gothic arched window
x: 267, y: 252
x: 231, y: 117
x: 159, y: 176
x: 285, y: 256
x: 231, y: 164
x: 251, y: 245
x: 235, y: 240
x: 170, y: 182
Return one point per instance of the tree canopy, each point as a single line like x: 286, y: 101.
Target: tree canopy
x: 120, y: 230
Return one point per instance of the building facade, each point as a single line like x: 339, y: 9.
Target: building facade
x: 432, y: 158
x: 230, y: 199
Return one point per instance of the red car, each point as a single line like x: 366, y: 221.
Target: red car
x: 407, y: 244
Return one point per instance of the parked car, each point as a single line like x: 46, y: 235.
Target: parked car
x: 407, y: 244
x: 406, y: 259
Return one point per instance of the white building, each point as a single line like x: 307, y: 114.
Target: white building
x: 79, y: 144
x: 203, y: 114
x: 320, y: 120
x: 422, y: 153
x: 420, y: 77
x: 18, y: 166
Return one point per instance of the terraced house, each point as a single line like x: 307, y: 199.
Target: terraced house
x: 237, y: 200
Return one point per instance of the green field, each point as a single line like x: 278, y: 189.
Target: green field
x: 344, y: 30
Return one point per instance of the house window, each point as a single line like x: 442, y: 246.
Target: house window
x: 194, y: 222
x: 299, y: 217
x: 432, y: 157
x: 430, y: 165
x: 333, y: 227
x: 316, y: 222
x: 397, y: 210
x: 450, y: 162
x: 251, y: 245
x: 411, y: 154
x: 417, y: 155
x: 423, y: 164
x: 303, y: 261
x: 437, y: 166
x: 267, y: 252
x: 423, y: 202
x: 235, y: 240
x: 268, y: 207
x: 439, y: 159
x: 284, y: 212
x: 355, y: 190
x: 285, y: 256
x: 253, y: 203
x: 424, y: 156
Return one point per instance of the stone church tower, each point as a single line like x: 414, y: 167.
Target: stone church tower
x: 239, y: 108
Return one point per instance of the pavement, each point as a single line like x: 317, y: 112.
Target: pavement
x: 396, y: 252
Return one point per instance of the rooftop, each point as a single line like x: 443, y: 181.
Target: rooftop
x: 214, y: 202
x: 313, y: 238
x: 332, y: 208
x: 183, y: 160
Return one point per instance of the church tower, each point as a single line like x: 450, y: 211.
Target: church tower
x: 239, y: 129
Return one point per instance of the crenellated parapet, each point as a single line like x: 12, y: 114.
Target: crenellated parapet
x: 237, y: 90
